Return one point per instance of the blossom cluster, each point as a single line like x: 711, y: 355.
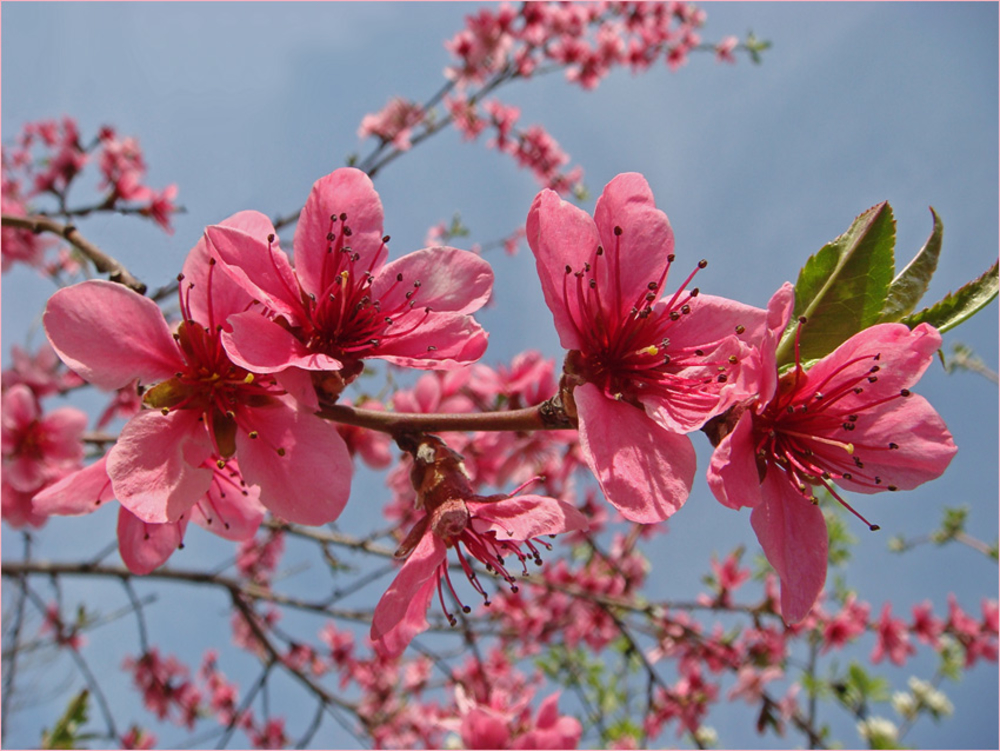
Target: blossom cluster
x: 45, y: 160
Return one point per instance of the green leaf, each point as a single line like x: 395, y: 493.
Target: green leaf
x: 957, y: 307
x: 842, y: 289
x: 911, y: 283
x: 65, y: 733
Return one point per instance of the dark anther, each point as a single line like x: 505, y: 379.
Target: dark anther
x: 399, y: 276
x: 722, y: 378
x: 872, y: 379
x: 702, y: 263
x: 618, y: 231
x: 904, y: 392
x: 343, y: 217
x: 695, y: 292
x: 699, y: 352
x: 893, y: 445
x: 593, y: 283
x: 270, y: 238
x: 802, y: 319
x: 892, y: 487
x: 685, y: 309
x: 848, y: 476
x: 651, y: 286
x: 674, y: 315
x: 733, y: 359
x: 600, y: 252
x: 740, y: 329
x: 330, y: 237
x: 385, y: 239
x: 875, y: 369
x: 347, y: 231
x: 670, y: 258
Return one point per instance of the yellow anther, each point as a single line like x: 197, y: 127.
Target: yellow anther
x: 249, y: 378
x: 652, y: 349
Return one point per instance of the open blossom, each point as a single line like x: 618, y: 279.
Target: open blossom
x: 229, y: 508
x: 394, y: 123
x: 38, y: 448
x: 851, y: 419
x: 343, y: 302
x: 647, y: 365
x: 201, y: 406
x: 487, y: 528
x: 483, y: 725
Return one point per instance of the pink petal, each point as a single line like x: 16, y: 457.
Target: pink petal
x: 309, y: 481
x: 262, y: 346
x: 779, y: 312
x: 299, y: 385
x: 925, y: 446
x: 713, y: 318
x: 214, y: 285
x: 155, y: 467
x: 560, y: 235
x: 145, y: 547
x: 262, y: 272
x: 231, y: 509
x: 732, y: 473
x: 443, y: 341
x: 644, y: 470
x: 903, y: 356
x: 110, y: 335
x: 525, y: 516
x: 792, y: 532
x: 638, y: 255
x: 450, y: 280
x: 401, y: 613
x: 345, y: 191
x: 78, y: 493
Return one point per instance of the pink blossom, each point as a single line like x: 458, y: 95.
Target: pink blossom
x: 229, y: 509
x: 750, y: 682
x: 850, y: 623
x: 138, y: 738
x: 342, y: 302
x: 646, y: 367
x: 893, y: 639
x: 42, y: 372
x: 724, y: 49
x: 926, y: 627
x: 394, y: 123
x: 38, y: 448
x: 488, y: 528
x: 849, y: 419
x: 165, y: 686
x: 202, y: 406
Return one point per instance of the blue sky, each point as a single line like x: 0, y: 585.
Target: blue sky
x: 245, y: 105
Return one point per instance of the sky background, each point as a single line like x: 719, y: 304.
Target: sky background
x: 243, y: 106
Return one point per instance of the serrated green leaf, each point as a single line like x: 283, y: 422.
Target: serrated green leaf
x: 957, y: 307
x: 842, y: 289
x: 911, y: 283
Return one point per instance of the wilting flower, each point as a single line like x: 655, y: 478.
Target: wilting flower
x: 488, y: 528
x: 646, y: 366
x: 343, y: 302
x: 202, y: 406
x: 850, y: 419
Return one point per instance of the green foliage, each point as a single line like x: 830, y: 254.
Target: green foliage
x: 755, y: 47
x: 957, y: 307
x: 952, y: 525
x: 66, y: 732
x: 849, y: 285
x: 911, y: 283
x: 857, y: 690
x: 842, y: 289
x: 840, y: 539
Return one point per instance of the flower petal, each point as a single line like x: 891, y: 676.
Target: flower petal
x: 216, y: 294
x: 924, y: 446
x: 155, y: 467
x: 261, y: 270
x: 637, y: 252
x: 346, y: 191
x: 262, y: 346
x: 525, y: 516
x: 561, y: 235
x: 110, y: 335
x: 732, y: 474
x: 792, y: 532
x: 78, y: 493
x: 300, y: 462
x: 143, y: 546
x: 644, y: 470
x: 443, y: 341
x: 401, y: 613
x: 449, y: 280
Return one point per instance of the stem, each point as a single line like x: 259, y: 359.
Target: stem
x: 101, y: 260
x: 549, y: 415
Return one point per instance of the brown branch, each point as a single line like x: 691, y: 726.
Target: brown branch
x: 548, y: 415
x: 102, y: 261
